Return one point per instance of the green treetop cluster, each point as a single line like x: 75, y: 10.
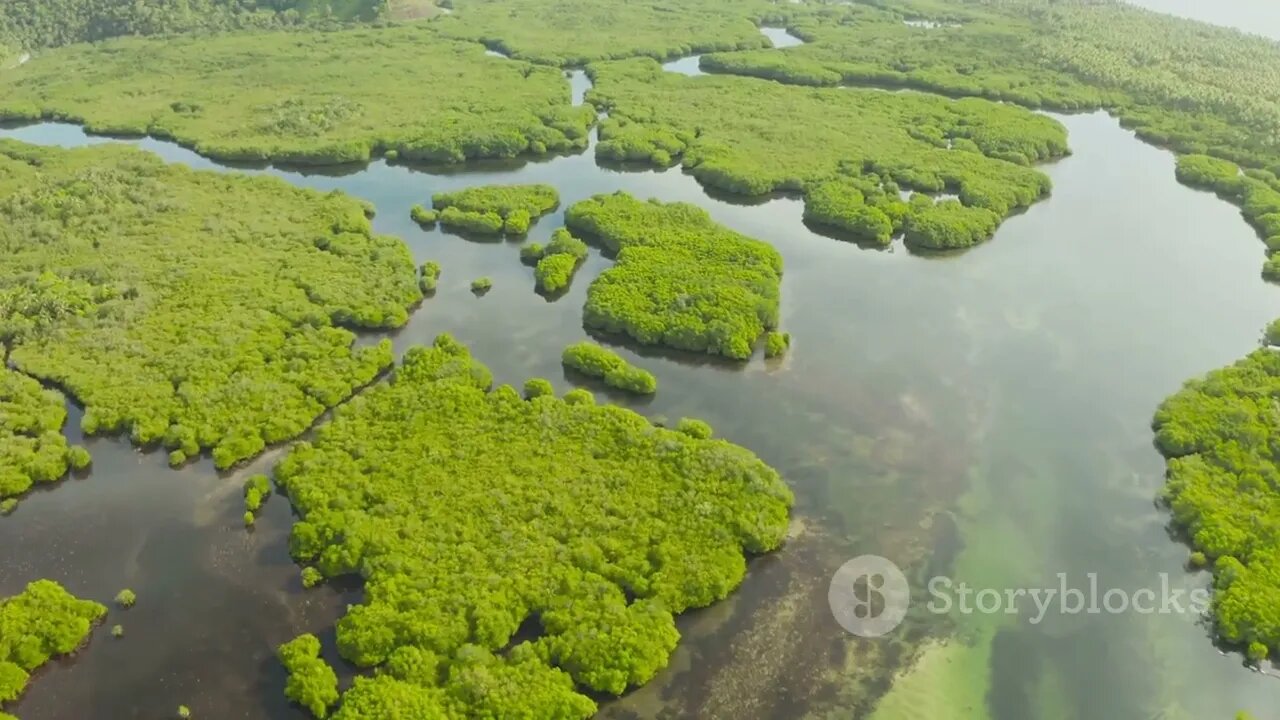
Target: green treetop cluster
x: 575, y: 32
x: 493, y: 209
x: 473, y: 513
x: 844, y: 145
x: 198, y: 310
x: 1180, y: 83
x: 1256, y: 192
x: 595, y: 361
x: 316, y: 98
x: 312, y: 683
x: 975, y: 51
x: 556, y: 262
x: 679, y: 279
x: 1221, y: 435
x: 28, y: 24
x: 42, y: 622
x: 32, y: 446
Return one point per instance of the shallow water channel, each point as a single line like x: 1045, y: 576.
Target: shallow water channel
x: 983, y: 415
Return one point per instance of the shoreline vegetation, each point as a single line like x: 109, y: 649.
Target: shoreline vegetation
x: 241, y: 293
x: 679, y: 279
x: 487, y: 516
x: 250, y: 97
x: 598, y: 362
x: 39, y: 624
x: 214, y: 313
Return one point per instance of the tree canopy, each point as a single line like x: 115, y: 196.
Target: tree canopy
x: 841, y: 147
x: 198, y: 310
x: 680, y: 279
x: 27, y: 24
x: 42, y: 622
x: 314, y: 98
x: 1222, y: 437
x: 32, y: 447
x: 492, y: 209
x: 595, y: 361
x: 575, y: 32
x: 473, y: 513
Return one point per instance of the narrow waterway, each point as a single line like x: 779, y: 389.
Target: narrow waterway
x: 982, y: 414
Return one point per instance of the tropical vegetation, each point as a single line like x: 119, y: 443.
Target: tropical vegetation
x: 848, y: 150
x: 556, y: 262
x: 32, y: 447
x: 315, y: 98
x: 520, y: 557
x: 312, y: 682
x: 576, y: 32
x: 196, y: 310
x: 29, y: 24
x: 679, y: 278
x: 493, y: 209
x: 595, y: 361
x: 42, y: 622
x: 1221, y: 434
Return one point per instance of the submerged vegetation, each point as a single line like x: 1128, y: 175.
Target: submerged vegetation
x: 42, y: 622
x: 32, y: 447
x: 595, y: 361
x: 472, y: 513
x: 198, y: 310
x: 254, y: 96
x: 680, y: 279
x: 493, y: 209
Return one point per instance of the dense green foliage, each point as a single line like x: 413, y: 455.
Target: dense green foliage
x: 429, y: 276
x: 491, y: 209
x: 470, y: 512
x: 41, y: 622
x: 1222, y: 436
x: 481, y: 285
x: 846, y: 148
x: 126, y: 598
x: 257, y: 490
x: 776, y: 344
x: 319, y: 98
x: 425, y: 217
x: 312, y: 683
x: 595, y: 361
x: 556, y: 262
x: 195, y: 309
x: 1181, y: 83
x: 27, y: 24
x: 538, y: 387
x: 575, y: 32
x: 1257, y: 193
x: 680, y: 279
x: 32, y: 447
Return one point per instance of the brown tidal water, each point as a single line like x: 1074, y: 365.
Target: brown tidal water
x: 984, y: 414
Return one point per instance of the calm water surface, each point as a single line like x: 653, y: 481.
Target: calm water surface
x: 983, y: 414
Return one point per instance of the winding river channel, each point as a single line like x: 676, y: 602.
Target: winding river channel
x: 983, y: 415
